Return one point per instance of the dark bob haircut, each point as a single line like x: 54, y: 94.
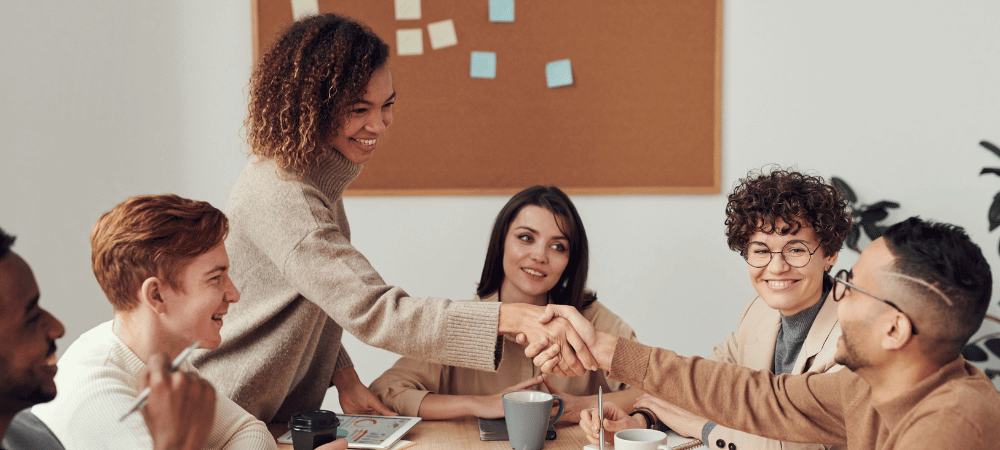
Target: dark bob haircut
x: 571, y: 287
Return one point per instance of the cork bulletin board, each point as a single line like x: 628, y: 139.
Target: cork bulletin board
x: 642, y: 115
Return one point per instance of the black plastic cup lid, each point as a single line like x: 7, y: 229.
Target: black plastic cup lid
x: 313, y: 421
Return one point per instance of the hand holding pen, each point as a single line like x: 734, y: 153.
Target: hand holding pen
x: 600, y: 414
x: 180, y: 409
x: 140, y: 401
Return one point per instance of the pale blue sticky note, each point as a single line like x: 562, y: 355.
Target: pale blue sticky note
x: 501, y: 10
x: 558, y: 73
x: 484, y: 65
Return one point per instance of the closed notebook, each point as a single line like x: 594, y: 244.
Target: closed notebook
x: 496, y: 430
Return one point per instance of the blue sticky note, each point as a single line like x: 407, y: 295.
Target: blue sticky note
x: 501, y: 10
x: 484, y: 65
x: 558, y: 73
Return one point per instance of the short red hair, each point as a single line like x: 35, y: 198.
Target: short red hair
x: 151, y: 236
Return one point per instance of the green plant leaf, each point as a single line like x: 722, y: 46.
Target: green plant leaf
x: 883, y: 204
x: 994, y: 214
x: 973, y: 353
x: 989, y: 146
x: 852, y: 238
x: 848, y: 192
x: 873, y: 215
x: 993, y: 344
x: 872, y: 230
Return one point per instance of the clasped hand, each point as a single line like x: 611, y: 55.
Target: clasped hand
x: 558, y: 340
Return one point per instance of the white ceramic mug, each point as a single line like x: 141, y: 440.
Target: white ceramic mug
x: 639, y: 439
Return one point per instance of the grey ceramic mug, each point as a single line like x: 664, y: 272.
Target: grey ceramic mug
x: 527, y: 416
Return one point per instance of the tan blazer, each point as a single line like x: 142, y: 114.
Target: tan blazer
x: 752, y: 345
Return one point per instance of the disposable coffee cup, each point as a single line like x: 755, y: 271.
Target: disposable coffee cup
x: 639, y: 439
x: 311, y: 429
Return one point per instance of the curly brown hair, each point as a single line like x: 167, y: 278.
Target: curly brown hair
x: 760, y: 199
x: 302, y: 88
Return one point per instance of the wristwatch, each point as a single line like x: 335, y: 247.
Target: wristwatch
x: 652, y: 422
x: 650, y: 417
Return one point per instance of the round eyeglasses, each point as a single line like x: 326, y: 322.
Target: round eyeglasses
x: 842, y: 284
x: 795, y: 253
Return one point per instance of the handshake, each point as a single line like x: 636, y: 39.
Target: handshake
x: 559, y: 339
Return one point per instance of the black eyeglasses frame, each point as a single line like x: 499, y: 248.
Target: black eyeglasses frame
x: 746, y: 254
x: 844, y: 274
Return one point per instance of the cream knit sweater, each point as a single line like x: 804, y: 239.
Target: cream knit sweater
x: 97, y: 383
x: 303, y: 284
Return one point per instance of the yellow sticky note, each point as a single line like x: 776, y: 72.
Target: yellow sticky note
x: 302, y: 8
x: 442, y: 34
x: 407, y: 9
x: 410, y: 41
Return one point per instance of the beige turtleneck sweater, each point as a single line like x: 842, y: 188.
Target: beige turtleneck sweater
x: 303, y: 284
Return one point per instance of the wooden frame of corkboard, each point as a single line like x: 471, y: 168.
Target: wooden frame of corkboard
x: 642, y: 117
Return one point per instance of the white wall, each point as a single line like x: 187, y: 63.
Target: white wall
x: 102, y: 100
x: 107, y: 99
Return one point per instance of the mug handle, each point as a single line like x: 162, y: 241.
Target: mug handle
x: 562, y: 409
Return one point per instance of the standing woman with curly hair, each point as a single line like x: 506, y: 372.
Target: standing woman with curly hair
x: 320, y: 100
x: 789, y: 227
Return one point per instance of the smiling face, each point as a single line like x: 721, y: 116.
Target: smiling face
x: 194, y: 310
x: 367, y: 119
x: 28, y: 360
x: 783, y: 287
x: 535, y: 255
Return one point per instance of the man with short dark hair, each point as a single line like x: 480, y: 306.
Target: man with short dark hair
x: 907, y: 308
x: 177, y: 405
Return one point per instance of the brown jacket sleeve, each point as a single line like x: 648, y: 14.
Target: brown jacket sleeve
x: 751, y: 345
x: 808, y: 406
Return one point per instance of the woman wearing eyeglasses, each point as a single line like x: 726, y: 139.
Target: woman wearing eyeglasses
x: 789, y: 228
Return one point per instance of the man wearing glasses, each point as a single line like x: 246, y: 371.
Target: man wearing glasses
x: 907, y: 308
x: 789, y: 227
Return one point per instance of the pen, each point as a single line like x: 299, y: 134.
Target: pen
x: 600, y: 408
x: 140, y: 401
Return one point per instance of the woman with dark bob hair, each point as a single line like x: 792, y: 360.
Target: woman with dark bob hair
x: 789, y: 228
x: 320, y: 100
x: 538, y: 255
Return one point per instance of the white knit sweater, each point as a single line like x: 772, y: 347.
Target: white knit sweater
x: 97, y: 383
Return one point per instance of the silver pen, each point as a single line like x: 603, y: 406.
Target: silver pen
x: 140, y: 401
x: 600, y: 408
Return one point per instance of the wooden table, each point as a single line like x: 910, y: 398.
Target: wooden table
x: 464, y: 433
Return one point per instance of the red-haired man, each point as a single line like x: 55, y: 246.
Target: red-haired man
x: 180, y: 405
